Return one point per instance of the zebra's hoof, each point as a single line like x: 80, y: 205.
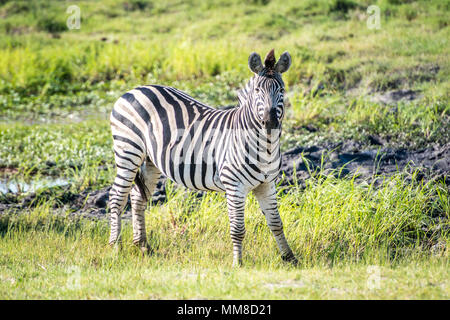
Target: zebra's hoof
x: 237, y: 263
x: 143, y: 247
x: 116, y: 245
x: 291, y: 259
x: 146, y: 250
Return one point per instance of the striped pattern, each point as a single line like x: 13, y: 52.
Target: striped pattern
x: 158, y: 129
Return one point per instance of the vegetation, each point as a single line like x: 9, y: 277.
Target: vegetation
x: 57, y: 87
x: 339, y: 229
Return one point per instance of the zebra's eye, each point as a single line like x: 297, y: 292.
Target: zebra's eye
x: 281, y: 90
x: 257, y: 90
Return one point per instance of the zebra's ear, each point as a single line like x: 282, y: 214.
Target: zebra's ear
x: 254, y: 62
x: 283, y: 63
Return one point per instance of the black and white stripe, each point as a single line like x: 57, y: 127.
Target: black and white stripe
x: 159, y: 129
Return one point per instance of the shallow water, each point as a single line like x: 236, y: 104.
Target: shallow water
x: 8, y: 186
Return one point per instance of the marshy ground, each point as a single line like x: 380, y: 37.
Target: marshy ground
x: 364, y: 187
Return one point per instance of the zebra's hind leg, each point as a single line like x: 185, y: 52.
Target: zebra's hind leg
x: 266, y: 195
x: 127, y: 163
x: 141, y: 193
x: 118, y: 196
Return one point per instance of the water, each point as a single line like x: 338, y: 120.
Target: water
x: 7, y: 186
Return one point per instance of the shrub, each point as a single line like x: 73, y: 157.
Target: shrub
x: 52, y: 24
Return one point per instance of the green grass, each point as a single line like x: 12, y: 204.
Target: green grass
x: 339, y: 231
x: 83, y: 268
x: 56, y: 146
x: 57, y: 87
x: 77, y: 74
x: 319, y: 37
x: 411, y: 125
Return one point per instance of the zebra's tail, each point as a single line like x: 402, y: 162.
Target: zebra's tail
x: 140, y: 183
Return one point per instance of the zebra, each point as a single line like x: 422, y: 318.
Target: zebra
x: 162, y: 130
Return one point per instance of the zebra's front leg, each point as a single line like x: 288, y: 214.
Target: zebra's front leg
x: 266, y: 195
x: 236, y: 204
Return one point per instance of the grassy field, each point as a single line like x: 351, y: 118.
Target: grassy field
x: 354, y: 240
x: 352, y: 243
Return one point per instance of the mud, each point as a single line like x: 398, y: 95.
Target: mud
x: 347, y: 158
x: 343, y: 160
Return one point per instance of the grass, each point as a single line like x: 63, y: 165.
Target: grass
x: 318, y: 35
x: 80, y: 73
x: 342, y: 232
x: 409, y: 125
x: 55, y: 147
x: 99, y: 273
x: 57, y: 87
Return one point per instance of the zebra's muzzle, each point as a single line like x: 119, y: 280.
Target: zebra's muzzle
x: 270, y: 119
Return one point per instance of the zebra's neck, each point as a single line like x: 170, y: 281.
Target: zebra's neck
x: 252, y: 134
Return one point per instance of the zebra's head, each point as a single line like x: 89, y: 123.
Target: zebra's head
x: 266, y: 89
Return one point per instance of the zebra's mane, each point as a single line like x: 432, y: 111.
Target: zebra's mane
x: 243, y: 93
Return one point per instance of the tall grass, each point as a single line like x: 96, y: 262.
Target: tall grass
x: 45, y: 257
x: 330, y: 221
x: 176, y: 46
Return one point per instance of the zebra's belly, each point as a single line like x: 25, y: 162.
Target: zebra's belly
x: 199, y: 177
x: 253, y: 176
x: 200, y: 171
x: 195, y: 177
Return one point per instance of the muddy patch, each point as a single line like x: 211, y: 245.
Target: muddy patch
x: 345, y: 159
